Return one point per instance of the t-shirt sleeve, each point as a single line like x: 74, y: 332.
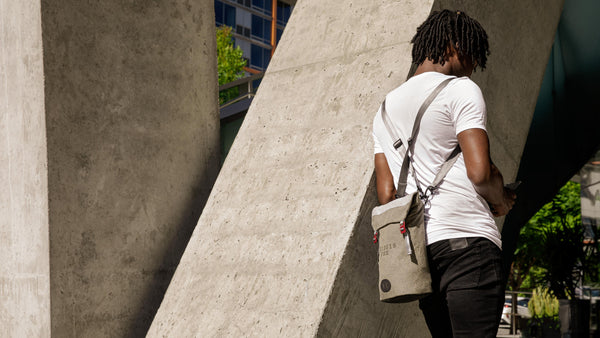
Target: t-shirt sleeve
x: 468, y: 106
x: 376, y: 143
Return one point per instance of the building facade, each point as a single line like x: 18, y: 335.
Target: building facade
x: 252, y: 23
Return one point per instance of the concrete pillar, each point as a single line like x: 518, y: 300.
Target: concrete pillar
x: 283, y: 247
x: 132, y: 120
x: 24, y: 271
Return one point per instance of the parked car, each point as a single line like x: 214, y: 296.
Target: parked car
x: 522, y: 309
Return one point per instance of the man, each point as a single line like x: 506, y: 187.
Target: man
x: 463, y: 242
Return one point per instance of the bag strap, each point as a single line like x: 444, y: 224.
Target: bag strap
x: 446, y: 166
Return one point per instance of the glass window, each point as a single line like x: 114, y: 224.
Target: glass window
x: 267, y: 31
x: 266, y: 57
x: 260, y: 57
x: 261, y: 29
x: 283, y: 13
x: 229, y: 15
x: 263, y: 6
x: 279, y: 32
x: 257, y: 26
x: 256, y: 59
x: 219, y: 12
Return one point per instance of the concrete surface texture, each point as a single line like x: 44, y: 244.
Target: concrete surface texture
x: 132, y: 126
x: 283, y: 247
x: 520, y: 36
x: 24, y: 272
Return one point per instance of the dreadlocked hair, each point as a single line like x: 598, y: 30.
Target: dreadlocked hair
x: 443, y: 29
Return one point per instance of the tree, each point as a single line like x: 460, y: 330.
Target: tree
x: 552, y: 245
x: 230, y: 63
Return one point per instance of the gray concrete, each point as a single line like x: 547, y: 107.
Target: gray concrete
x: 266, y: 253
x: 520, y: 35
x: 132, y: 123
x: 283, y: 247
x: 24, y: 271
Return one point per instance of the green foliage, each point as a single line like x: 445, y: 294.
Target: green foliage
x: 543, y: 304
x: 230, y: 63
x: 544, y: 321
x: 551, y: 249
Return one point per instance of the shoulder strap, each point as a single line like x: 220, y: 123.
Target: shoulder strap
x: 389, y: 125
x: 401, y: 190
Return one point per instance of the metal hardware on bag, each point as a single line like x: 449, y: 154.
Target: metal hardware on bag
x: 375, y: 237
x: 406, y: 237
x: 429, y: 190
x: 408, y: 248
x: 398, y: 144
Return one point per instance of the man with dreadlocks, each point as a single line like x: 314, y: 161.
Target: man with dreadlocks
x: 463, y: 242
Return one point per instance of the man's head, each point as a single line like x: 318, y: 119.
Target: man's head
x: 451, y: 33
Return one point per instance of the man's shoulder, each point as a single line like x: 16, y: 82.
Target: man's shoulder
x: 464, y: 86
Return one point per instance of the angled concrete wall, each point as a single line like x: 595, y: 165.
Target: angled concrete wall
x: 24, y: 271
x: 132, y: 120
x: 267, y: 249
x: 284, y: 244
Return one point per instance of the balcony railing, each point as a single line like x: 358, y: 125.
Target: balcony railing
x: 239, y: 104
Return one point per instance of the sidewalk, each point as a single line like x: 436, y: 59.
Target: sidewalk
x: 504, y: 332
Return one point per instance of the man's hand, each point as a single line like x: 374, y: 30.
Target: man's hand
x: 508, y: 201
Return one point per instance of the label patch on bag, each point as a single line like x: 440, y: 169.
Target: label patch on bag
x: 386, y: 285
x: 402, y: 227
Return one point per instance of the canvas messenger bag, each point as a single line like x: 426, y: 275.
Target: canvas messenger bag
x: 399, y: 229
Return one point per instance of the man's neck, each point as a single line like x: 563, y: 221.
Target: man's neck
x: 452, y: 66
x: 429, y: 66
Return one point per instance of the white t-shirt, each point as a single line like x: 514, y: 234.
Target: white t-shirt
x: 456, y: 209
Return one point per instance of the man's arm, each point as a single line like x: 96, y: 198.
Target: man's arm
x: 484, y: 175
x: 385, y: 180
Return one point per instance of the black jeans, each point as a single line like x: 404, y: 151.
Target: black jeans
x: 468, y: 292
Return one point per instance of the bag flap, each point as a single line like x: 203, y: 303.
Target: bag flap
x: 394, y: 211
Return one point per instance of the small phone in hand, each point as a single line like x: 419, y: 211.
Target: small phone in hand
x: 513, y: 186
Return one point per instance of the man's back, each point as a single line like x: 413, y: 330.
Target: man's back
x: 465, y: 258
x: 458, y: 107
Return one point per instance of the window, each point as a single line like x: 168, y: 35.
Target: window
x: 244, y: 2
x: 224, y: 14
x: 256, y: 59
x: 263, y: 6
x: 241, y: 30
x: 261, y: 29
x: 219, y: 12
x: 260, y: 57
x: 229, y: 15
x: 283, y: 13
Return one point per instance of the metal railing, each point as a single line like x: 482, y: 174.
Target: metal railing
x: 514, y: 330
x: 245, y: 86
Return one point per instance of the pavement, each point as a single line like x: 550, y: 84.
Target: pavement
x: 504, y: 332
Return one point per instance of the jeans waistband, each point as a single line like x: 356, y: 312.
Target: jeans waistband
x: 459, y: 243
